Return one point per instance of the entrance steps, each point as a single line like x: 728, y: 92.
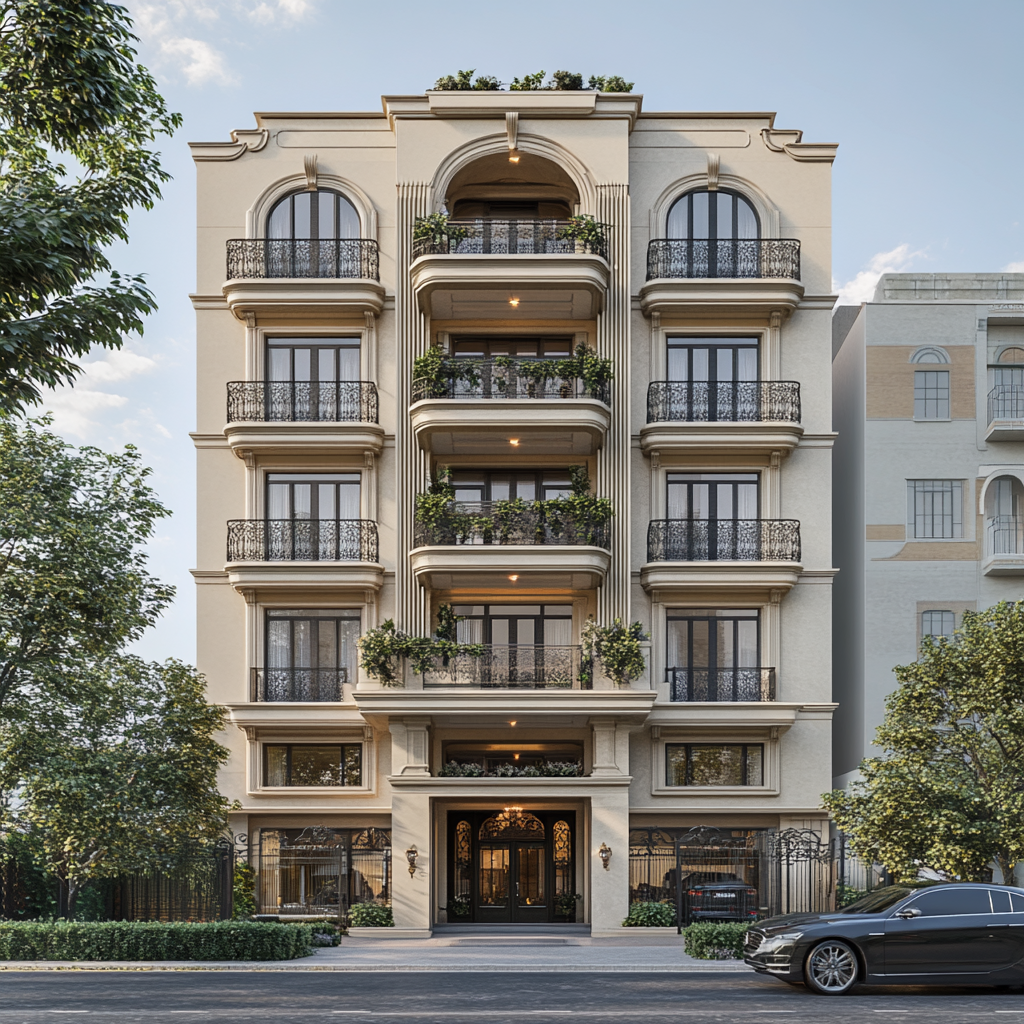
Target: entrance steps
x: 511, y: 934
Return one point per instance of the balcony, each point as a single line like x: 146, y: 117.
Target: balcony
x: 722, y: 416
x: 303, y: 277
x: 277, y: 417
x: 753, y: 275
x: 1006, y: 413
x: 1004, y: 546
x: 496, y: 402
x: 517, y: 667
x: 303, y: 553
x: 720, y: 685
x: 498, y: 543
x: 723, y: 555
x: 298, y: 685
x: 472, y: 269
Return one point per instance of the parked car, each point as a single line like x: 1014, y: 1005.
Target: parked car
x: 949, y: 934
x: 722, y: 901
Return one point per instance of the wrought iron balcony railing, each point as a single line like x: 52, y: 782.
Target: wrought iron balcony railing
x: 1006, y: 535
x: 315, y: 685
x: 723, y: 257
x: 722, y: 684
x: 525, y: 236
x: 490, y: 379
x: 701, y: 401
x: 302, y: 540
x: 725, y: 540
x: 286, y: 401
x: 259, y: 258
x: 520, y: 666
x: 1006, y: 402
x: 499, y: 522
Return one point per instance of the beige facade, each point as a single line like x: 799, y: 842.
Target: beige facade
x: 929, y: 410
x: 713, y: 443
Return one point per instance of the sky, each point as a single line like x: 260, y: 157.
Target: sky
x: 923, y: 97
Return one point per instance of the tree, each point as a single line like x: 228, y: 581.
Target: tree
x: 122, y: 778
x: 949, y: 794
x: 70, y: 90
x: 73, y: 579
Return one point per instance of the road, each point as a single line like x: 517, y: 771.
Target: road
x: 439, y: 997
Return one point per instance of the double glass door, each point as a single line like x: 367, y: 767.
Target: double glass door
x: 313, y: 516
x: 714, y: 654
x: 313, y: 379
x: 712, y: 516
x: 713, y: 379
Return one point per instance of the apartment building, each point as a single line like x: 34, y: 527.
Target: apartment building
x: 689, y: 250
x: 929, y: 471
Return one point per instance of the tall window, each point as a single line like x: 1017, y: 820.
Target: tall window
x: 706, y: 764
x: 528, y: 484
x: 931, y: 394
x: 321, y: 214
x: 714, y: 654
x: 323, y: 496
x: 501, y: 624
x: 714, y: 496
x: 310, y: 653
x: 712, y: 359
x: 935, y: 509
x: 318, y: 360
x: 721, y: 214
x: 315, y: 517
x: 313, y: 764
x: 937, y: 623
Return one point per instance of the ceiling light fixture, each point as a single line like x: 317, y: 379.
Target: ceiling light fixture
x: 513, y: 156
x: 512, y: 723
x: 513, y: 301
x: 514, y: 441
x: 513, y: 578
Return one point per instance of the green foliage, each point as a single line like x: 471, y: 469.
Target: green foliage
x: 618, y: 647
x: 459, y: 907
x: 70, y: 93
x: 648, y: 914
x: 437, y: 372
x: 715, y: 940
x: 549, y: 769
x: 528, y: 83
x: 73, y: 579
x: 560, y: 80
x: 566, y: 80
x: 565, y: 903
x: 584, y: 364
x: 611, y: 83
x: 370, y: 915
x: 243, y: 889
x: 585, y: 231
x: 949, y: 792
x: 138, y: 940
x: 435, y: 229
x: 463, y: 81
x: 847, y: 894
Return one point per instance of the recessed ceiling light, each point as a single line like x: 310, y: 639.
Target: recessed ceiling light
x: 513, y: 722
x: 513, y: 301
x: 513, y: 156
x: 514, y: 441
x: 513, y: 578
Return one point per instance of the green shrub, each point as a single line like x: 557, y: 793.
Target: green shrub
x: 152, y: 940
x: 710, y: 940
x: 644, y: 914
x: 370, y: 915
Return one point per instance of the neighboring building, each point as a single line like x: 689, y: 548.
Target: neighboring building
x: 709, y: 291
x: 928, y: 475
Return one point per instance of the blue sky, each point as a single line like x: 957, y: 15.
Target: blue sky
x: 924, y: 99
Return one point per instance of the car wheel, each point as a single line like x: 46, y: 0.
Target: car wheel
x: 831, y: 968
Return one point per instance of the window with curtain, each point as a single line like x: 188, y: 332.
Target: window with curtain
x: 323, y: 496
x: 316, y: 215
x: 721, y: 214
x: 935, y: 509
x: 510, y: 624
x: 311, y: 649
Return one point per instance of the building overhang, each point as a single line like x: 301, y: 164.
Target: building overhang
x: 290, y: 438
x: 749, y: 579
x: 248, y: 577
x: 303, y: 298
x: 556, y: 566
x: 684, y: 715
x: 720, y: 438
x: 1003, y: 565
x: 295, y: 715
x: 754, y: 297
x: 1005, y: 430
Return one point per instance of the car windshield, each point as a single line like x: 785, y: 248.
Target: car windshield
x: 879, y: 900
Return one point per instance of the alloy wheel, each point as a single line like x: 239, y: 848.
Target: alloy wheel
x: 831, y: 968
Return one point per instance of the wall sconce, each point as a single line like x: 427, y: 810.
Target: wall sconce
x: 605, y: 853
x: 410, y: 855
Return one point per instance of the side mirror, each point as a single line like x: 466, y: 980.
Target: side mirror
x: 910, y: 912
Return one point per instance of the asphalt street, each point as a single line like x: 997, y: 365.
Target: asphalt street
x: 440, y: 997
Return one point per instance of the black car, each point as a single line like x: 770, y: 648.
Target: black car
x: 721, y: 901
x: 950, y: 934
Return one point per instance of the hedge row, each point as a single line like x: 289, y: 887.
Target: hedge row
x: 708, y: 940
x: 148, y: 940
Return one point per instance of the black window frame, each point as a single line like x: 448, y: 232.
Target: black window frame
x: 334, y: 343
x: 713, y: 344
x: 315, y: 480
x: 690, y: 479
x: 713, y: 214
x: 733, y: 615
x: 314, y: 214
x: 744, y: 747
x: 538, y: 618
x: 289, y: 747
x: 512, y: 471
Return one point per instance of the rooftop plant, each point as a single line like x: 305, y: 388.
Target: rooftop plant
x: 559, y: 81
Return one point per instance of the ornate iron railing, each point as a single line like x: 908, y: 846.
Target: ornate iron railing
x: 315, y: 685
x: 524, y: 236
x: 258, y: 258
x: 1006, y: 535
x: 489, y: 379
x: 499, y: 522
x: 727, y: 540
x: 723, y: 257
x: 518, y: 666
x: 1006, y: 402
x: 273, y: 401
x: 721, y: 684
x: 701, y: 401
x: 302, y: 540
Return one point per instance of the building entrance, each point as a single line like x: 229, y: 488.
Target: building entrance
x: 511, y: 866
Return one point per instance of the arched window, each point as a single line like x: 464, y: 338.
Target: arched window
x: 929, y: 354
x: 1012, y: 355
x: 721, y: 215
x: 320, y: 214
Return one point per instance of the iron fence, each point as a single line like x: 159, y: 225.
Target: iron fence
x: 261, y: 258
x: 529, y: 236
x: 1006, y: 535
x: 727, y: 401
x: 315, y: 685
x: 517, y: 666
x: 494, y: 522
x: 723, y: 257
x: 273, y: 401
x: 1006, y: 402
x: 733, y: 540
x: 721, y: 684
x: 492, y: 379
x: 291, y: 540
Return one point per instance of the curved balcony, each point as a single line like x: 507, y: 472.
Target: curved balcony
x: 511, y: 667
x: 717, y: 685
x: 279, y: 416
x: 303, y: 553
x: 756, y: 275
x: 722, y: 416
x: 1004, y: 546
x: 498, y: 404
x: 298, y: 685
x: 1006, y: 413
x: 473, y: 268
x: 741, y: 555
x: 303, y: 276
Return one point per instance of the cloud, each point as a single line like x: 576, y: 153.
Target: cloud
x: 1014, y: 268
x: 198, y: 61
x: 287, y: 10
x: 861, y: 288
